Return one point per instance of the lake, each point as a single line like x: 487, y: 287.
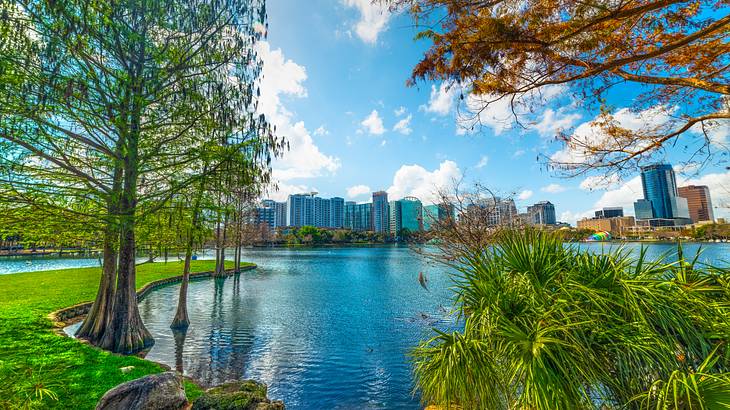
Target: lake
x: 323, y: 327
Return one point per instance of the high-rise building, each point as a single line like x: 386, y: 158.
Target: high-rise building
x: 380, y: 215
x: 266, y: 213
x: 280, y: 214
x: 698, y: 202
x: 434, y: 213
x: 542, y: 213
x: 322, y: 212
x: 642, y: 209
x: 358, y: 216
x: 300, y: 210
x: 610, y: 212
x: 411, y: 212
x: 495, y: 211
x: 337, y: 212
x: 394, y: 217
x: 660, y: 188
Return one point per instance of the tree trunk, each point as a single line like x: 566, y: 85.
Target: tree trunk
x: 126, y: 333
x: 96, y: 320
x: 220, y: 269
x: 100, y: 313
x: 181, y: 320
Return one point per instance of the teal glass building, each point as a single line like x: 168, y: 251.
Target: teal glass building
x: 660, y: 188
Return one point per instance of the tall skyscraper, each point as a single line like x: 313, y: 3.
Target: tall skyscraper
x: 358, y: 216
x: 660, y: 188
x: 698, y: 202
x: 542, y: 213
x: 350, y: 208
x: 337, y: 212
x: 322, y: 212
x: 394, y: 217
x: 280, y: 214
x: 300, y: 209
x: 411, y: 212
x: 380, y: 215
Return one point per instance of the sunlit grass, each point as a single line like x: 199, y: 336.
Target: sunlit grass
x: 39, y: 369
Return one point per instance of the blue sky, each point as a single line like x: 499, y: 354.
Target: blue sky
x: 334, y: 84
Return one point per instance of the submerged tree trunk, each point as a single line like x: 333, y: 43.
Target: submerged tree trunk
x: 220, y: 266
x: 181, y: 319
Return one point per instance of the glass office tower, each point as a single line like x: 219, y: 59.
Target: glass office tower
x: 660, y: 188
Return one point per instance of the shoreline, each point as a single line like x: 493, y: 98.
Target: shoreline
x: 69, y: 315
x: 62, y: 318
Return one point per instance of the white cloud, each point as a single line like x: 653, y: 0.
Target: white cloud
x: 500, y: 114
x: 321, y: 131
x: 373, y: 123
x: 525, y: 195
x: 400, y: 111
x: 283, y: 77
x: 374, y: 18
x: 358, y: 191
x: 442, y: 100
x: 597, y: 182
x: 553, y: 188
x: 403, y: 126
x: 518, y: 153
x: 414, y: 180
x: 591, y: 134
x: 483, y: 161
x: 624, y: 196
x: 553, y: 122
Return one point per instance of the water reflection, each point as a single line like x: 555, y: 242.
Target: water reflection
x: 323, y: 328
x: 179, y: 336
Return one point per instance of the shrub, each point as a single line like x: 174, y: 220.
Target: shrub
x: 549, y: 327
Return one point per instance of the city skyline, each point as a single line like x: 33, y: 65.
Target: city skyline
x: 661, y: 204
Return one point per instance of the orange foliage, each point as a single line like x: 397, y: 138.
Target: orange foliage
x: 678, y: 50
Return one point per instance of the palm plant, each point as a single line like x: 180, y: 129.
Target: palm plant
x: 549, y: 327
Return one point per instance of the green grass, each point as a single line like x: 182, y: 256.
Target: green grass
x: 39, y: 369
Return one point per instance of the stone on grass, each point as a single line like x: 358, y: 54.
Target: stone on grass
x: 126, y: 369
x: 162, y: 391
x: 238, y: 395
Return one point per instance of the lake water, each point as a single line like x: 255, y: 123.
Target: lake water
x: 324, y: 327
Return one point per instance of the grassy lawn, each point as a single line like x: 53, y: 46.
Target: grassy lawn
x: 39, y: 369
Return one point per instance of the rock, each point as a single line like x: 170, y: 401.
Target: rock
x: 162, y: 391
x: 238, y: 395
x: 126, y: 369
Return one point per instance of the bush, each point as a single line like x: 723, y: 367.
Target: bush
x: 549, y: 327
